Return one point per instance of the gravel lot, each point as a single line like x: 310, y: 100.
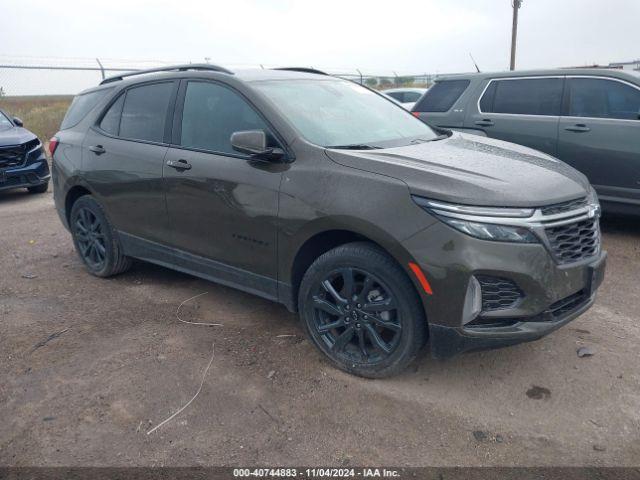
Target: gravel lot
x: 89, y: 365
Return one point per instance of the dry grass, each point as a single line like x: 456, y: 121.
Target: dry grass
x: 40, y: 114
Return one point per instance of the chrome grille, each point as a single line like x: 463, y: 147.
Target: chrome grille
x: 564, y: 207
x: 12, y: 156
x: 574, y: 241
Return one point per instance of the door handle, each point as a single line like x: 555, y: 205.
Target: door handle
x: 486, y: 122
x: 97, y: 149
x: 179, y: 164
x: 578, y: 127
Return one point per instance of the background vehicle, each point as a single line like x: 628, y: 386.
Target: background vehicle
x: 588, y: 118
x: 22, y: 160
x: 407, y: 97
x: 321, y: 194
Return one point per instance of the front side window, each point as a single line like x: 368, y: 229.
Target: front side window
x: 212, y: 113
x: 525, y: 96
x: 145, y: 111
x: 442, y: 96
x: 600, y: 98
x: 337, y: 113
x: 80, y: 106
x: 5, y: 123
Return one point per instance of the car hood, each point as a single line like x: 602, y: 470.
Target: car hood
x: 473, y: 170
x: 15, y: 136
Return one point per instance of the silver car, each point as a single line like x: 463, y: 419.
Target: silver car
x: 407, y: 97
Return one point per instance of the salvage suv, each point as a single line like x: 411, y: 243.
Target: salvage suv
x: 22, y: 160
x: 321, y: 194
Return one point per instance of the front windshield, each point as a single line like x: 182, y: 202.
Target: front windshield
x: 4, y: 122
x: 337, y: 113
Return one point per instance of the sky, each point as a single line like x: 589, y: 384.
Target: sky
x: 408, y: 37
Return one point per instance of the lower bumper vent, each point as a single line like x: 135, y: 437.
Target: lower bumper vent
x: 498, y: 293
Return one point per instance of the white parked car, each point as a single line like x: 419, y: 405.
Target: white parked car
x: 407, y: 97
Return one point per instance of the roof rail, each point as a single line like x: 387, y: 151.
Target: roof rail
x: 172, y: 68
x: 302, y: 70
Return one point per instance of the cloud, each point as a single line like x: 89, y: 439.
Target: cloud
x: 413, y: 36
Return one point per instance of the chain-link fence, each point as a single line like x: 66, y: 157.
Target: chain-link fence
x: 39, y: 89
x: 32, y: 76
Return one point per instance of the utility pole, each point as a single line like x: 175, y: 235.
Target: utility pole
x: 516, y: 4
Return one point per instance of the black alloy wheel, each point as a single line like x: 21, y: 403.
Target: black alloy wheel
x: 95, y: 239
x: 359, y: 307
x: 356, y: 315
x: 90, y: 238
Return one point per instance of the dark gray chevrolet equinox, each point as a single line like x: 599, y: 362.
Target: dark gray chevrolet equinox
x: 323, y: 195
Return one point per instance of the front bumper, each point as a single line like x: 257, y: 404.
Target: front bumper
x: 449, y: 341
x: 552, y: 294
x: 30, y: 175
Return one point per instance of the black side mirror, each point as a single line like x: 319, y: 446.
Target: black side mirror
x: 254, y: 143
x: 17, y: 122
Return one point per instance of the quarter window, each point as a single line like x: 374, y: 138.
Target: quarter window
x: 442, y: 96
x: 212, y: 113
x: 535, y: 96
x: 600, y: 98
x: 145, y: 111
x: 81, y: 105
x: 111, y: 121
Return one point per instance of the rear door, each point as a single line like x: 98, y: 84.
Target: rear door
x: 520, y: 110
x: 223, y: 205
x: 123, y: 157
x: 600, y: 134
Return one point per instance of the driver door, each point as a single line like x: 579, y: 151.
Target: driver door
x: 222, y: 205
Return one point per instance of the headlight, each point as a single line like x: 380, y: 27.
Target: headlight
x: 476, y: 221
x: 488, y: 231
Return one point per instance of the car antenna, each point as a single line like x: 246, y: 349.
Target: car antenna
x: 474, y: 62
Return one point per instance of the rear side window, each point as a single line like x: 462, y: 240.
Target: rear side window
x: 600, y: 98
x: 536, y: 96
x: 399, y: 96
x: 212, y: 113
x: 144, y: 112
x: 411, y: 96
x: 442, y: 96
x: 80, y: 106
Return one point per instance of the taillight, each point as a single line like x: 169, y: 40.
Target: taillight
x: 416, y: 114
x: 53, y: 144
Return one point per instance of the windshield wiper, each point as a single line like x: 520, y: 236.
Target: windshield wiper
x: 355, y: 146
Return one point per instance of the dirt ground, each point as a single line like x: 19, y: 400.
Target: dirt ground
x: 89, y: 365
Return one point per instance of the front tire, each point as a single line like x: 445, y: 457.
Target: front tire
x: 360, y: 309
x: 95, y: 239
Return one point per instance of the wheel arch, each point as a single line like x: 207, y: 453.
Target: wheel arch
x: 73, y: 194
x: 324, y: 238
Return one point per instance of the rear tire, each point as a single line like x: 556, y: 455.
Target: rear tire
x: 39, y: 188
x: 361, y: 310
x: 95, y: 239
